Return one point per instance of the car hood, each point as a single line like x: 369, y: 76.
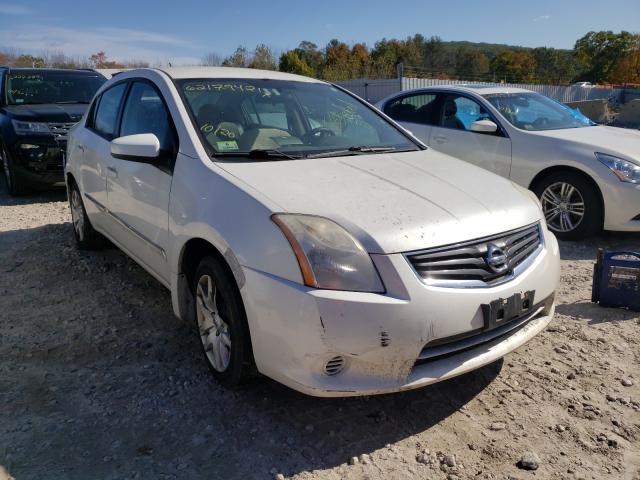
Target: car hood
x: 611, y: 140
x: 66, y: 113
x: 395, y: 202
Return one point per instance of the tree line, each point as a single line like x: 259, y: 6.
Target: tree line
x: 57, y: 59
x: 597, y: 57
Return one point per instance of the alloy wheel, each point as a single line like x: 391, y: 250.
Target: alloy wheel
x: 563, y: 206
x: 214, y: 330
x: 77, y: 213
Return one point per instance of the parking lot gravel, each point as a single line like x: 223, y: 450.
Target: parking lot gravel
x: 98, y: 380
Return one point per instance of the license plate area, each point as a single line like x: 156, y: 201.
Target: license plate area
x: 503, y: 310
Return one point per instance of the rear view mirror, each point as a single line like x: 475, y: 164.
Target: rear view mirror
x: 143, y: 146
x: 484, y: 126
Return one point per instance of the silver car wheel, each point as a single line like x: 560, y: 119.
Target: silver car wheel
x: 77, y: 214
x: 563, y: 206
x: 214, y: 331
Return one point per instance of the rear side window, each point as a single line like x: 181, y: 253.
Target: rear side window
x: 145, y: 112
x: 107, y: 112
x: 417, y: 108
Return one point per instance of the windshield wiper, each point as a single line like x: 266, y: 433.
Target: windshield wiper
x: 354, y: 151
x: 260, y: 154
x: 84, y: 102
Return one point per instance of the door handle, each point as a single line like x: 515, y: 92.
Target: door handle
x: 81, y: 148
x: 113, y: 173
x: 440, y: 138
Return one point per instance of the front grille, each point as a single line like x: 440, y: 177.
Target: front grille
x: 60, y: 130
x: 483, y: 262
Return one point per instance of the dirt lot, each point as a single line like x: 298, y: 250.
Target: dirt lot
x: 98, y: 379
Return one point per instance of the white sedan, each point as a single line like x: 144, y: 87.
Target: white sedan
x: 587, y: 176
x: 305, y: 235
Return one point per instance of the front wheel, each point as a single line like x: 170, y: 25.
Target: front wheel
x: 222, y: 324
x: 15, y: 185
x: 571, y: 205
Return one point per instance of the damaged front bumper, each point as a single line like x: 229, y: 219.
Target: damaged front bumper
x: 336, y: 343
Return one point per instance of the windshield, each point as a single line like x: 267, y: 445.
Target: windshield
x: 42, y: 86
x: 532, y: 111
x: 239, y: 118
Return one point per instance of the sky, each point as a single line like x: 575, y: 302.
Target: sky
x: 182, y: 32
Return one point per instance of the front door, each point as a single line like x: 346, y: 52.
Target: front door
x: 452, y: 135
x: 138, y: 190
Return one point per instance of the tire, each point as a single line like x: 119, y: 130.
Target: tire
x: 86, y: 236
x: 15, y: 185
x: 222, y: 323
x: 571, y: 204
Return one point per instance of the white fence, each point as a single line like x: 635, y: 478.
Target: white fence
x: 375, y: 90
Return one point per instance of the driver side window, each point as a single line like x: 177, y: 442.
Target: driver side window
x: 459, y: 112
x: 145, y: 112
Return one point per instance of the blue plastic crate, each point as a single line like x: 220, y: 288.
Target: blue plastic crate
x: 616, y: 280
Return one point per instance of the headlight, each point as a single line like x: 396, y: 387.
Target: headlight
x: 625, y: 170
x: 30, y: 128
x: 329, y: 256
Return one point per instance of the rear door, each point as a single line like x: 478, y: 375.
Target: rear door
x: 452, y: 134
x: 94, y: 147
x: 138, y: 190
x: 415, y: 112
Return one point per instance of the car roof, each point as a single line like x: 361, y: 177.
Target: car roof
x: 230, y: 72
x: 470, y: 88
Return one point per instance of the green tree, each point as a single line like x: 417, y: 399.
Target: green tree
x: 599, y: 52
x: 514, y: 66
x: 263, y: 58
x: 239, y: 58
x: 554, y: 66
x: 337, y: 61
x: 471, y: 64
x: 627, y: 70
x: 308, y: 51
x: 292, y: 63
x: 360, y: 61
x: 436, y: 60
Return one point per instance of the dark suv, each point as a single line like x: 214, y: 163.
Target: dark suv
x: 38, y: 106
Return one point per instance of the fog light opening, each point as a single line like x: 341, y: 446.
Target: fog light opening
x: 334, y: 366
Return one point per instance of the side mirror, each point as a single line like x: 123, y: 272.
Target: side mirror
x: 484, y: 126
x: 140, y: 147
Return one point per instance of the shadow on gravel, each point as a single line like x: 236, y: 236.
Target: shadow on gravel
x: 98, y: 379
x: 44, y: 196
x: 594, y: 313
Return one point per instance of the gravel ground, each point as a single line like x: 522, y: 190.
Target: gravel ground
x: 98, y: 380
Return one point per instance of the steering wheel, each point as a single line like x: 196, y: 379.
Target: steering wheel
x: 318, y: 134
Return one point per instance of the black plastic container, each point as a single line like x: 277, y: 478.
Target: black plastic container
x: 616, y: 280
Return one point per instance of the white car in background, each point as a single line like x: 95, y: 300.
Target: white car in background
x: 308, y: 237
x: 587, y: 176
